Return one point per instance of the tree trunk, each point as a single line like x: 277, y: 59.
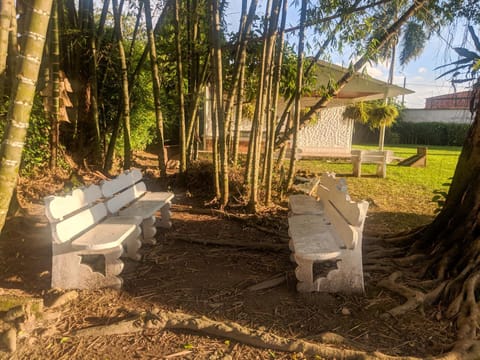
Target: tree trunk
x: 220, y: 115
x: 298, y: 93
x: 135, y: 31
x: 181, y: 96
x: 93, y: 81
x: 244, y: 29
x: 23, y: 92
x: 54, y: 96
x: 6, y: 7
x: 127, y: 161
x: 156, y: 89
x: 215, y: 155
x: 273, y: 108
x: 239, y: 108
x: 260, y: 107
x: 452, y: 242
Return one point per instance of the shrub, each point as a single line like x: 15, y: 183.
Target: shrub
x: 429, y: 133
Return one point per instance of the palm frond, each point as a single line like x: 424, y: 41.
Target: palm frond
x: 475, y: 39
x: 413, y: 42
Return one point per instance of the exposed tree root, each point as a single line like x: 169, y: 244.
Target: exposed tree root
x: 466, y: 306
x: 384, y: 253
x: 164, y: 320
x: 403, y: 238
x: 410, y: 260
x: 249, y: 245
x: 414, y: 298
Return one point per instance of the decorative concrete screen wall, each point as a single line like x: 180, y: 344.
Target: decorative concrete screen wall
x: 330, y: 135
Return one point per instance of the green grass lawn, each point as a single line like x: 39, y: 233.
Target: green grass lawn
x: 404, y: 197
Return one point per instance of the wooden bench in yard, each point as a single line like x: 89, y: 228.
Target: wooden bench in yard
x: 379, y: 157
x: 86, y: 243
x: 127, y: 195
x: 326, y: 233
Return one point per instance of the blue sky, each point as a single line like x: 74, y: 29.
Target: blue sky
x: 420, y: 74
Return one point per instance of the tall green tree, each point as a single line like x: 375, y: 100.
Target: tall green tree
x: 276, y: 78
x: 156, y: 89
x: 218, y: 94
x: 180, y: 88
x: 127, y: 161
x: 271, y: 27
x: 298, y: 92
x: 54, y: 96
x: 6, y: 11
x: 28, y: 66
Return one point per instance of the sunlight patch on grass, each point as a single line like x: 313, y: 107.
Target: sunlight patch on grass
x: 406, y: 194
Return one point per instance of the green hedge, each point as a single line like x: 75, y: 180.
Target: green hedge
x: 428, y: 133
x: 431, y: 133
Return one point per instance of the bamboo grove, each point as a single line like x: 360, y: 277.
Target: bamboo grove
x: 117, y: 76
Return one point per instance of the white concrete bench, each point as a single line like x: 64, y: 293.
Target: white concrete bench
x: 379, y: 157
x: 86, y: 243
x: 328, y: 231
x: 127, y: 195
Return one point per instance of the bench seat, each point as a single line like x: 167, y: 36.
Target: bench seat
x: 304, y: 204
x: 148, y: 205
x: 109, y: 233
x: 328, y: 232
x: 127, y: 195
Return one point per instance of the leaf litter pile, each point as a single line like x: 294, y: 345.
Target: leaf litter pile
x: 213, y: 287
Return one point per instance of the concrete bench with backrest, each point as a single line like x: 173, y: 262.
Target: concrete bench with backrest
x: 327, y: 231
x: 86, y: 243
x: 127, y: 195
x: 379, y: 157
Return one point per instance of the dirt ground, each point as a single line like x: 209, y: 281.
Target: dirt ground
x: 204, y: 266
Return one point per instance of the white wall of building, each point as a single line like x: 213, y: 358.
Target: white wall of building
x: 434, y: 115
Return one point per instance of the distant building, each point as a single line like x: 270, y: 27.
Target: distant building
x: 459, y: 100
x: 448, y: 108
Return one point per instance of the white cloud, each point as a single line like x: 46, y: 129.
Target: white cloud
x: 422, y: 70
x: 378, y: 71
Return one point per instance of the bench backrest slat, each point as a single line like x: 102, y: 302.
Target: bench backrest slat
x: 121, y: 182
x: 126, y: 197
x: 72, y: 226
x: 347, y: 216
x: 374, y: 156
x: 57, y: 207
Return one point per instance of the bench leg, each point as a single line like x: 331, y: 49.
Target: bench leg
x: 357, y: 168
x: 292, y: 249
x: 68, y: 271
x: 382, y: 170
x: 149, y: 230
x: 166, y: 215
x: 304, y: 275
x: 347, y: 278
x: 133, y: 244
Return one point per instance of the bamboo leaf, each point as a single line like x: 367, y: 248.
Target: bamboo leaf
x: 458, y: 62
